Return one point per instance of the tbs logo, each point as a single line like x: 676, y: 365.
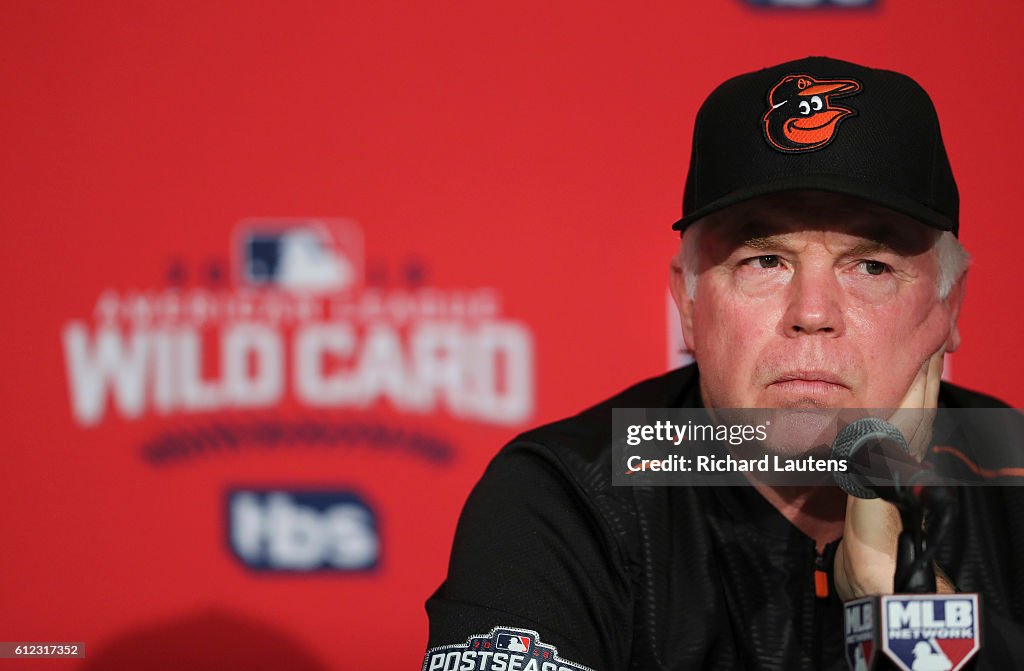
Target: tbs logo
x: 304, y: 255
x: 321, y: 530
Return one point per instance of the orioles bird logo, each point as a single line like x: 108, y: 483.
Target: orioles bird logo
x: 801, y: 116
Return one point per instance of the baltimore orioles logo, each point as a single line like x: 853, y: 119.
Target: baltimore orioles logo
x: 801, y: 116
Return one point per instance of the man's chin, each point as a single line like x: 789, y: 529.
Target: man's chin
x: 798, y: 430
x: 790, y: 431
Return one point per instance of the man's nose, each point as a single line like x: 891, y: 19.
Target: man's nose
x: 814, y: 304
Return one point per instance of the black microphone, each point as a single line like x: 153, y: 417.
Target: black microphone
x: 879, y: 463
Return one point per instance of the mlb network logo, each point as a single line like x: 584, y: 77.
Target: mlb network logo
x: 309, y: 530
x: 304, y: 255
x: 930, y: 632
x: 860, y: 634
x: 917, y: 632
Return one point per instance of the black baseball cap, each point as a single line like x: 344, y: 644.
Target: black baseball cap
x: 823, y: 124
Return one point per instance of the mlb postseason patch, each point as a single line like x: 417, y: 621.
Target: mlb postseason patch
x: 503, y: 649
x: 930, y: 632
x: 860, y: 633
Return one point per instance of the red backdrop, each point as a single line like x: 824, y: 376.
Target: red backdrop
x: 492, y: 188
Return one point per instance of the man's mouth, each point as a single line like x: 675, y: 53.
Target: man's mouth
x: 811, y: 376
x: 812, y: 382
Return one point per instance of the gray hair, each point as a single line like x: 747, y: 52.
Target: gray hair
x: 953, y: 259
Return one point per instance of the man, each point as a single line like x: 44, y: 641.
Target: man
x: 819, y: 269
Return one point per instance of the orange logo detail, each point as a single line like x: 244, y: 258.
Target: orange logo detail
x: 801, y: 116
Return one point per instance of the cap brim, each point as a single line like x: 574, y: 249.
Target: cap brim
x: 871, y: 192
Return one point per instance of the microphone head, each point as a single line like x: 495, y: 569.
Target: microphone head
x: 855, y: 436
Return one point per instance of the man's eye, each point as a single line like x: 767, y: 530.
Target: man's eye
x: 766, y: 261
x: 873, y: 267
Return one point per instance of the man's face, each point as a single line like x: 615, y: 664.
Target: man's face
x: 814, y: 300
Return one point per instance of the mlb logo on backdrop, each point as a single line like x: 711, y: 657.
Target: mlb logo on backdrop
x: 305, y: 255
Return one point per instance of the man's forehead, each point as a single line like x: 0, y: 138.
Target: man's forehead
x: 793, y: 212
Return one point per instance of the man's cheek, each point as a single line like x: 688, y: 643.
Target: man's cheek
x: 910, y: 330
x: 897, y: 320
x: 895, y: 348
x: 732, y: 331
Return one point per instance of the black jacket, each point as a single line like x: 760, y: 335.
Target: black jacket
x: 682, y: 577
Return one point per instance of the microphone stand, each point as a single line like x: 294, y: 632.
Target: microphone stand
x: 915, y: 627
x: 927, y: 514
x: 917, y: 545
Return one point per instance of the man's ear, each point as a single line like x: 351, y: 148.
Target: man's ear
x: 677, y: 283
x: 953, y: 302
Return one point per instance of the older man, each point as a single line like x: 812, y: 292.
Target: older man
x: 819, y: 269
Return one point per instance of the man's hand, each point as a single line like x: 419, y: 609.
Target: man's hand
x: 866, y: 558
